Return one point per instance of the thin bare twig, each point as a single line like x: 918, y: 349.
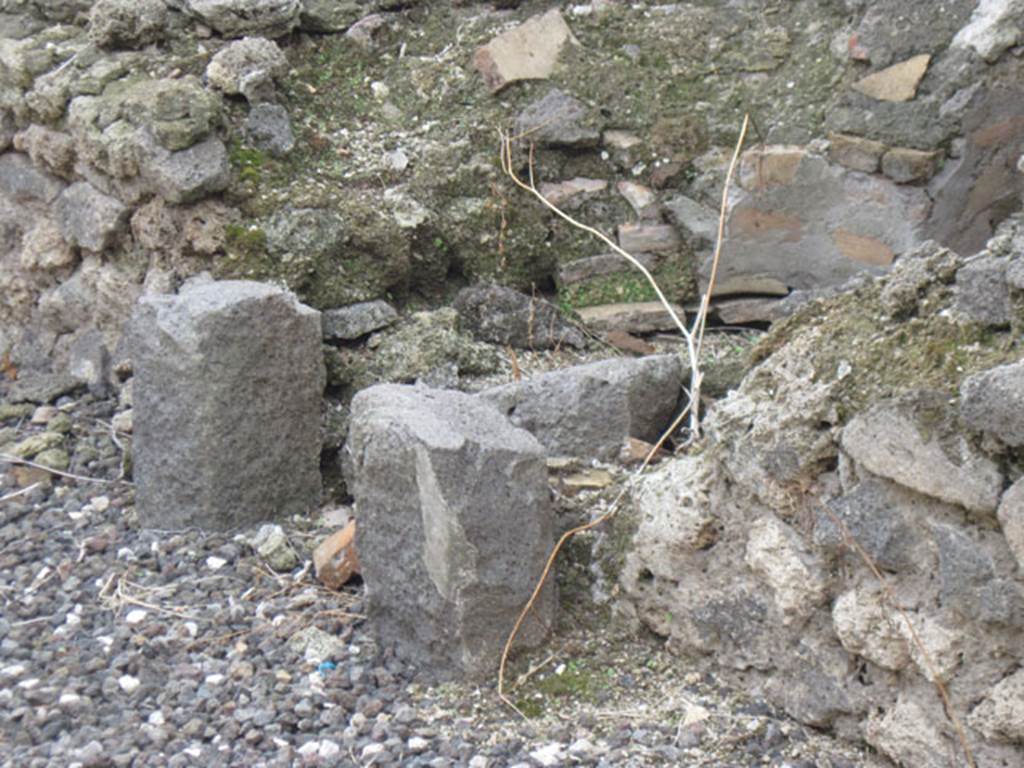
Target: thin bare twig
x: 22, y: 492
x: 82, y: 478
x: 690, y: 337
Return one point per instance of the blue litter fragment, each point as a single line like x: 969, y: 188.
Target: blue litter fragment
x: 326, y: 666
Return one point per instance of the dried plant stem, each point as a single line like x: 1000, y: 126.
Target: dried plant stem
x: 890, y: 600
x: 692, y: 337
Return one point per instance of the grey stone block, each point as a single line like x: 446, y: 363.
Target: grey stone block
x: 186, y: 175
x: 454, y: 528
x: 351, y: 322
x: 504, y: 316
x: 227, y: 394
x: 982, y: 294
x: 558, y: 119
x: 590, y: 410
x: 88, y: 218
x: 270, y: 128
x: 993, y: 402
x: 21, y: 180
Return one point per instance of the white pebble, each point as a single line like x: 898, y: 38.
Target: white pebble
x: 549, y: 755
x: 29, y: 684
x: 214, y: 679
x: 215, y: 563
x: 156, y: 718
x: 13, y: 670
x: 328, y: 750
x: 192, y: 628
x: 100, y: 503
x: 417, y: 744
x: 309, y: 749
x: 371, y: 750
x: 136, y: 616
x: 128, y: 683
x: 478, y: 761
x: 195, y: 752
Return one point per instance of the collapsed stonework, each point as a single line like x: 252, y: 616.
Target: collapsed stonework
x: 886, y: 415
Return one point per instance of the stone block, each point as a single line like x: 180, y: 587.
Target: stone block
x: 454, y: 525
x: 527, y: 52
x: 1011, y: 519
x: 127, y: 23
x: 578, y: 270
x: 571, y: 193
x: 907, y: 166
x: 993, y: 402
x: 865, y: 627
x: 1000, y: 715
x: 648, y: 238
x: 796, y: 576
x: 943, y: 645
x: 21, y: 181
x: 638, y: 317
x: 591, y: 410
x: 88, y: 218
x: 856, y: 152
x: 249, y: 67
x: 558, y: 119
x: 892, y: 440
x: 227, y: 389
x: 269, y: 128
x: 234, y: 18
x: 188, y: 174
x: 351, y: 322
x: 503, y: 316
x: 909, y: 733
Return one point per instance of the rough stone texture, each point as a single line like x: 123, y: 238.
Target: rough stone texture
x: 805, y: 223
x: 454, y: 526
x: 796, y: 576
x: 127, y: 23
x: 188, y: 174
x: 88, y: 218
x: 269, y: 128
x: 901, y: 441
x: 527, y: 52
x: 227, y: 387
x: 53, y: 150
x: 641, y: 317
x: 235, y: 18
x: 89, y: 361
x: 648, y: 238
x: 20, y: 180
x: 351, y: 322
x: 907, y: 166
x: 558, y: 120
x: 250, y: 67
x: 862, y: 624
x: 1001, y: 715
x: 993, y: 402
x: 895, y: 83
x: 330, y: 15
x: 503, y: 316
x: 335, y: 558
x: 994, y: 26
x: 856, y: 152
x: 908, y: 734
x: 982, y: 294
x: 590, y: 410
x: 697, y: 222
x: 1011, y: 519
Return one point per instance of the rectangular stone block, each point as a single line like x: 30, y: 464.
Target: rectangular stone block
x: 454, y: 526
x: 227, y: 391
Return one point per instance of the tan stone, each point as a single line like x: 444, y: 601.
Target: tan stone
x: 620, y: 139
x: 908, y: 165
x: 748, y: 284
x: 558, y: 192
x: 648, y: 238
x: 642, y: 317
x: 896, y: 83
x: 527, y: 52
x: 335, y: 558
x: 640, y: 198
x: 856, y: 152
x: 866, y: 250
x: 771, y: 166
x: 746, y: 311
x: 627, y: 342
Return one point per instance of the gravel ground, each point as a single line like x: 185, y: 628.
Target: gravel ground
x: 124, y: 647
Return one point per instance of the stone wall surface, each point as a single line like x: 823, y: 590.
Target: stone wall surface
x: 879, y: 423
x: 314, y: 144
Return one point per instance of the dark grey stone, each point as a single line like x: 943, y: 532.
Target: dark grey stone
x: 981, y: 293
x: 454, y: 528
x: 88, y: 218
x: 504, y: 316
x: 558, y: 119
x: 227, y: 394
x: 270, y: 128
x: 963, y: 566
x: 186, y: 175
x: 351, y: 322
x: 21, y: 180
x: 41, y: 388
x: 878, y: 515
x: 993, y: 402
x: 590, y: 410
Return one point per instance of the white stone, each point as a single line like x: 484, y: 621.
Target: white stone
x: 1001, y: 715
x: 128, y: 684
x: 797, y: 577
x: 100, y: 503
x: 993, y: 27
x: 328, y: 750
x: 550, y: 754
x: 417, y: 744
x: 215, y: 679
x: 136, y: 616
x: 370, y: 751
x: 156, y: 718
x: 862, y: 623
x: 944, y: 646
x: 215, y: 563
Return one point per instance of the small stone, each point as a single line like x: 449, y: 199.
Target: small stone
x: 641, y: 199
x: 54, y: 458
x: 559, y: 120
x: 128, y: 684
x: 124, y: 421
x: 269, y: 128
x: 896, y: 83
x: 136, y: 616
x: 88, y: 218
x: 797, y: 577
x: 215, y: 563
x: 648, y: 238
x: 335, y: 558
x: 640, y: 317
x: 856, y: 152
x: 527, y: 52
x: 1001, y: 714
x: 127, y: 23
x: 356, y: 320
x: 503, y: 316
x: 249, y: 66
x: 907, y: 166
x: 588, y: 479
x: 993, y: 402
x: 271, y: 543
x: 568, y: 194
x: 549, y: 755
x: 417, y: 745
x: 35, y: 444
